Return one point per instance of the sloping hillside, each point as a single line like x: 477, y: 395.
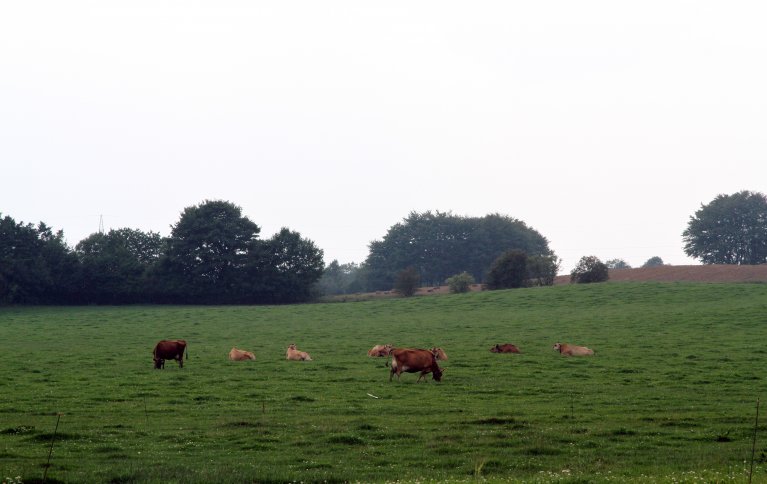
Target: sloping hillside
x: 702, y: 273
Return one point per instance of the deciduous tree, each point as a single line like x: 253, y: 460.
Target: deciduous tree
x: 731, y: 229
x: 654, y: 261
x: 589, y: 269
x: 441, y: 244
x: 509, y: 270
x: 407, y: 281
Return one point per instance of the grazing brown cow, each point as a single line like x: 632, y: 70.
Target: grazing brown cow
x: 379, y: 350
x: 439, y: 353
x: 414, y: 360
x: 505, y: 348
x: 572, y: 350
x: 169, y: 349
x: 296, y: 355
x: 241, y: 355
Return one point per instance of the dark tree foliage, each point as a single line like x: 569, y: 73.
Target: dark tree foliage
x: 439, y: 245
x: 508, y: 271
x: 290, y: 265
x: 407, y: 281
x: 213, y: 256
x: 731, y: 229
x: 542, y: 269
x: 589, y: 269
x: 206, y: 254
x: 36, y: 266
x: 115, y: 266
x: 653, y: 262
x: 617, y: 264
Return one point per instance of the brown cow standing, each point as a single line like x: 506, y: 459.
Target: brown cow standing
x: 296, y: 355
x: 566, y: 349
x: 505, y: 348
x: 241, y: 355
x: 173, y: 349
x: 414, y: 360
x: 379, y: 350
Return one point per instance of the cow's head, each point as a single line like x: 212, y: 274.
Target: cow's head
x: 496, y: 349
x: 558, y: 347
x: 436, y: 374
x: 439, y: 353
x: 159, y: 363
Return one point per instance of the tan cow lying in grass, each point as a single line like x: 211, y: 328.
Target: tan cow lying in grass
x: 572, y: 350
x: 296, y: 355
x: 379, y: 350
x: 241, y: 355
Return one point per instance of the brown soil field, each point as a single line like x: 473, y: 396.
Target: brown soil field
x: 702, y: 273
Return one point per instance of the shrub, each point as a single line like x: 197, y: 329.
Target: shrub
x: 460, y: 283
x: 407, y: 281
x: 617, y: 264
x: 542, y: 269
x: 589, y: 269
x: 653, y: 262
x: 509, y: 270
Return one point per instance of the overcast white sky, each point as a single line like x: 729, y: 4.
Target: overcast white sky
x: 603, y: 125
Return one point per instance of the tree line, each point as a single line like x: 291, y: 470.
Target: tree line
x: 431, y: 247
x: 212, y: 256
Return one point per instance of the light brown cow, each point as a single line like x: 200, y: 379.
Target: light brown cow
x: 379, y: 350
x: 240, y: 355
x: 414, y: 360
x: 296, y: 355
x: 566, y: 349
x: 505, y: 348
x: 439, y: 353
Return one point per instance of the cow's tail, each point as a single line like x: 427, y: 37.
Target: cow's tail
x: 186, y: 351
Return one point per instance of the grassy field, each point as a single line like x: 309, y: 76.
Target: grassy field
x: 669, y: 397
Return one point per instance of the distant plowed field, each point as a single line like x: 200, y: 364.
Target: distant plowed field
x: 703, y: 273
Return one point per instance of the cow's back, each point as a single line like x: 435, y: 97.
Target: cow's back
x: 169, y: 349
x: 406, y: 358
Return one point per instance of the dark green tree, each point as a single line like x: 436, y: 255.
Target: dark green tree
x: 731, y: 229
x: 508, y: 271
x: 441, y: 244
x: 542, y: 269
x: 36, y: 265
x: 291, y: 266
x: 589, y: 269
x: 407, y: 281
x: 653, y: 262
x: 115, y: 265
x: 207, y: 253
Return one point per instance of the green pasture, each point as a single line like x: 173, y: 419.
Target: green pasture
x: 669, y: 397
